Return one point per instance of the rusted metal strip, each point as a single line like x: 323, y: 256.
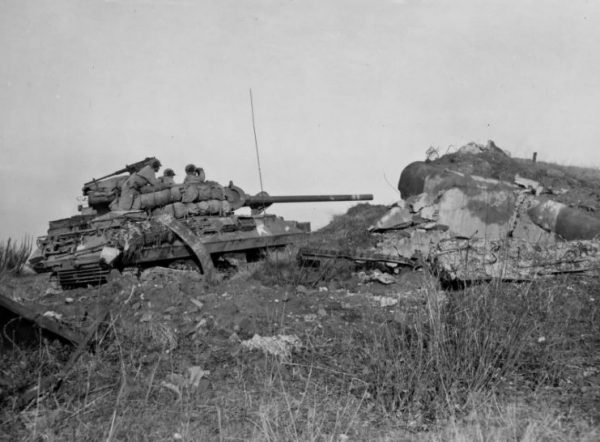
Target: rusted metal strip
x: 315, y: 253
x: 191, y: 239
x: 35, y: 313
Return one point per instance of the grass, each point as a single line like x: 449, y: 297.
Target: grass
x: 590, y: 176
x: 348, y: 232
x: 492, y: 362
x: 14, y: 255
x: 282, y: 268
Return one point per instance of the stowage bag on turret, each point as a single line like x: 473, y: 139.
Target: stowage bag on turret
x: 160, y: 198
x: 209, y: 190
x: 205, y: 208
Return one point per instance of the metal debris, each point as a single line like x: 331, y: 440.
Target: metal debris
x: 45, y: 319
x: 280, y: 346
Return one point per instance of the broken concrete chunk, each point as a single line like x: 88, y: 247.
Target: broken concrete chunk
x: 511, y: 260
x: 280, y: 346
x: 395, y: 218
x: 419, y: 202
x: 483, y: 213
x: 376, y: 276
x: 533, y: 185
x: 197, y: 303
x: 53, y: 315
x: 430, y: 213
x: 411, y: 244
x: 52, y: 291
x: 385, y: 301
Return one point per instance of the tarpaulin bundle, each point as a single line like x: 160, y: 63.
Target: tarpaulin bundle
x: 160, y: 198
x: 180, y: 210
x: 209, y: 190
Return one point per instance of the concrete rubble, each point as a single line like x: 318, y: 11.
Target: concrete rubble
x: 512, y: 259
x: 280, y: 346
x: 471, y: 227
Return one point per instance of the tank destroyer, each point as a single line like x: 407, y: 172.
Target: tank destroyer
x: 192, y: 223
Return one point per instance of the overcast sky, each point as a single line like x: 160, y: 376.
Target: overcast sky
x: 346, y: 92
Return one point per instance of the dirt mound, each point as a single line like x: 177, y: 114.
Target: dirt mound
x: 487, y: 161
x: 575, y: 186
x: 350, y: 230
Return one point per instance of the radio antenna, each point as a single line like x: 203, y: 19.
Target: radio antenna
x: 256, y: 142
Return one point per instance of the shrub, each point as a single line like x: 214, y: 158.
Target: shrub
x: 13, y: 255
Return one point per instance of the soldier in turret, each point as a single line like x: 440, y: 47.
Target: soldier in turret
x: 190, y: 171
x: 134, y: 184
x: 168, y: 177
x: 200, y: 174
x: 192, y: 175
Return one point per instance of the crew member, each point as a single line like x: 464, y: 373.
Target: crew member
x: 200, y: 174
x: 168, y: 177
x: 132, y: 186
x: 191, y: 175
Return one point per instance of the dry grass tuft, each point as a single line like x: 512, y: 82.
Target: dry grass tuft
x: 14, y: 255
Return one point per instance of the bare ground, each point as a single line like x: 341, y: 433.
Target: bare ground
x: 381, y: 362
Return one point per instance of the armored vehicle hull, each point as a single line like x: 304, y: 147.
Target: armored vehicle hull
x: 190, y: 223
x: 87, y: 253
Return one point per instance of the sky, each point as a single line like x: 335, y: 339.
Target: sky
x: 346, y: 92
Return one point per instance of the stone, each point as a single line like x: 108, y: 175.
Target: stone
x: 395, y: 218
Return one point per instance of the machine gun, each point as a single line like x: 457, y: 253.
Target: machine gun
x: 130, y: 168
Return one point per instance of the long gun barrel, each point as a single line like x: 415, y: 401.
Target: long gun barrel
x: 238, y: 198
x: 260, y: 202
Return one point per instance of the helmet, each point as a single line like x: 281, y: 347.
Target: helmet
x: 169, y: 172
x: 155, y: 163
x: 190, y: 168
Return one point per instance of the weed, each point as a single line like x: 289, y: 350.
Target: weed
x: 13, y: 255
x: 281, y: 268
x: 491, y: 362
x: 349, y: 232
x: 483, y: 340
